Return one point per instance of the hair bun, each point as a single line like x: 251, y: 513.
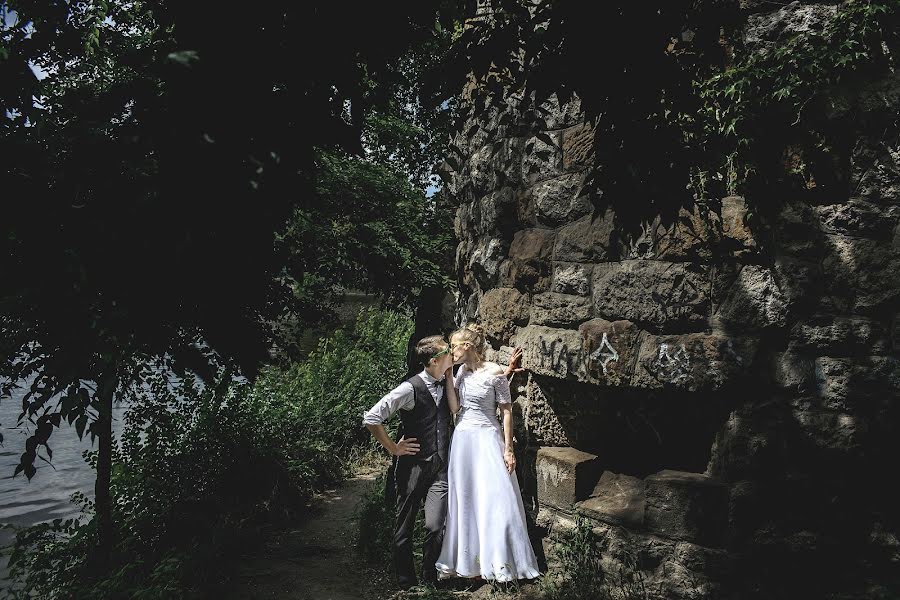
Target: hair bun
x: 475, y: 328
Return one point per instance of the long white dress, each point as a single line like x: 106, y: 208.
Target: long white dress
x: 486, y: 532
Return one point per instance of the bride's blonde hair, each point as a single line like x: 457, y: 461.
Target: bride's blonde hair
x: 474, y: 334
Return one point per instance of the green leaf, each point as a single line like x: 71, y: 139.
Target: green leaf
x: 80, y: 424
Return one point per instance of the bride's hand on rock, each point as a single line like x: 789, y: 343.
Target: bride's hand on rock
x: 515, y: 363
x: 509, y: 458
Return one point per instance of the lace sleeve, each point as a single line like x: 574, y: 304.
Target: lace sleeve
x: 501, y: 389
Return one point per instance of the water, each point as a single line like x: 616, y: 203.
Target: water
x: 47, y: 496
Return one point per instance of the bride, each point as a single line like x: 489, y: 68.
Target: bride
x: 486, y: 534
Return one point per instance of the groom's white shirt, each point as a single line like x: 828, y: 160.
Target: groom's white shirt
x: 402, y: 397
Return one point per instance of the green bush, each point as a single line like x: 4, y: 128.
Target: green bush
x: 198, y: 467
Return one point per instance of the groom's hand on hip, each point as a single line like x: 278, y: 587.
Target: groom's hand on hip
x: 406, y: 446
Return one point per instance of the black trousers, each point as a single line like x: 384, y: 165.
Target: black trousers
x: 418, y: 481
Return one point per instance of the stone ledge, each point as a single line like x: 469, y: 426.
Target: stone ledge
x: 565, y: 476
x: 617, y: 499
x: 687, y: 507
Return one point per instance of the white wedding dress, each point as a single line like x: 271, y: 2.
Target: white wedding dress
x: 486, y: 531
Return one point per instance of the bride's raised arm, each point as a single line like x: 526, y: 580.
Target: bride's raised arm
x: 450, y: 385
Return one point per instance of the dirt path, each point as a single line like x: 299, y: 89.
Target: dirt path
x: 314, y: 561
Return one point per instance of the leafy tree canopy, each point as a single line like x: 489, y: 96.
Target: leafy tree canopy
x: 183, y: 172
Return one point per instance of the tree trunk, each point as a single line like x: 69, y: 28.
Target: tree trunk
x: 102, y: 501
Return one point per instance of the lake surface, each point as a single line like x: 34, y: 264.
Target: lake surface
x: 47, y: 495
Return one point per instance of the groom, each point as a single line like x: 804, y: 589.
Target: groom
x: 422, y: 453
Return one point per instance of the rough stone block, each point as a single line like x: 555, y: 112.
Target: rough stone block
x: 861, y: 276
x: 502, y: 310
x: 839, y: 336
x: 796, y: 231
x: 551, y: 351
x: 610, y: 350
x: 755, y: 302
x: 578, y: 146
x: 694, y: 361
x: 829, y: 430
x: 565, y: 476
x: 765, y: 31
x: 859, y: 217
x: 617, y: 499
x: 875, y: 169
x: 687, y: 506
x: 794, y: 372
x: 484, y: 261
x: 572, y: 278
x: 542, y: 158
x: 690, y: 237
x: 847, y: 383
x: 560, y: 309
x: 556, y: 112
x: 585, y: 240
x: 735, y: 230
x: 749, y: 444
x: 666, y: 295
x: 559, y: 200
x: 528, y: 266
x: 492, y: 214
x: 496, y: 165
x: 799, y: 280
x: 544, y: 425
x: 895, y: 333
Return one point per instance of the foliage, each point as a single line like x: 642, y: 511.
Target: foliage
x: 677, y: 101
x: 582, y: 575
x: 198, y: 466
x: 160, y: 155
x: 764, y: 99
x: 369, y: 231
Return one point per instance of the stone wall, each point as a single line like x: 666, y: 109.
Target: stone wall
x: 717, y: 395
